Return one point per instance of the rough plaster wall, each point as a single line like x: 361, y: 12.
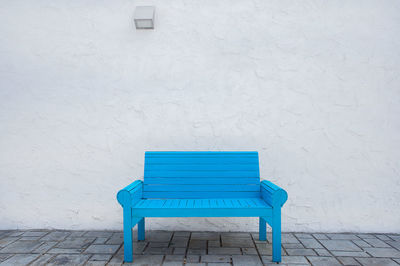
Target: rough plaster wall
x: 312, y: 85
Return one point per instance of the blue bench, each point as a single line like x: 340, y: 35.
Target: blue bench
x: 202, y: 184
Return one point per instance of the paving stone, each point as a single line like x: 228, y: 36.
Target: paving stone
x: 174, y: 258
x: 158, y: 244
x: 394, y: 237
x: 246, y: 260
x: 118, y: 259
x: 98, y: 234
x: 256, y: 239
x: 30, y: 238
x: 383, y: 252
x: 294, y: 245
x: 195, y: 264
x: 303, y: 235
x: 365, y: 236
x: 397, y: 260
x: 20, y: 259
x: 35, y: 233
x: 376, y: 262
x: 224, y: 251
x: 237, y: 242
x: 42, y: 260
x: 361, y: 243
x: 14, y: 233
x: 3, y: 257
x: 100, y: 240
x: 69, y: 259
x: 115, y: 240
x: 179, y: 242
x: 343, y: 236
x: 158, y: 251
x: 147, y: 260
x: 322, y: 252
x: 288, y: 239
x: 383, y: 237
x: 77, y: 233
x: 192, y: 258
x: 287, y: 260
x: 96, y: 263
x: 45, y: 247
x: 377, y: 243
x: 214, y: 243
x: 348, y: 261
x: 56, y: 236
x: 342, y: 245
x: 323, y: 261
x: 158, y: 236
x: 196, y: 251
x: 310, y: 243
x: 195, y: 244
x: 182, y: 233
x: 320, y: 236
x: 76, y: 242
x: 21, y: 247
x: 217, y: 264
x: 138, y: 250
x: 179, y: 251
x: 205, y: 236
x: 100, y: 257
x: 236, y: 234
x: 350, y: 254
x: 215, y: 258
x: 249, y: 251
x: 65, y: 251
x: 7, y: 240
x: 266, y: 249
x: 172, y: 263
x: 301, y: 252
x: 395, y: 244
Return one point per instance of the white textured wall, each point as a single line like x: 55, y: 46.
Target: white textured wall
x: 314, y: 86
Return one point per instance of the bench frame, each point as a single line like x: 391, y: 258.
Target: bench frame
x: 270, y: 193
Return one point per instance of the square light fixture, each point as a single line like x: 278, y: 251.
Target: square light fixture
x: 144, y: 17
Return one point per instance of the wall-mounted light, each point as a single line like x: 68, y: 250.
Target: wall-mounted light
x: 144, y: 17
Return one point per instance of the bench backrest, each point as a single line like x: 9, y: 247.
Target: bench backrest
x: 174, y: 175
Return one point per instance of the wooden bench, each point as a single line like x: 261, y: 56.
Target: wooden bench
x: 202, y: 184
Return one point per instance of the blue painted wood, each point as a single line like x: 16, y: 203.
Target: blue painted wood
x: 141, y: 229
x: 276, y: 234
x: 202, y: 184
x: 198, y: 167
x: 200, y: 187
x: 262, y: 229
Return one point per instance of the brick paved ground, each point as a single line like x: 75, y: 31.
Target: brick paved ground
x: 38, y: 247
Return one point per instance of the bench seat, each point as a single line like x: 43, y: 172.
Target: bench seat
x: 246, y: 207
x: 202, y: 184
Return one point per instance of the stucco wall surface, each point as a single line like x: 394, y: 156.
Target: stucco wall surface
x: 314, y: 86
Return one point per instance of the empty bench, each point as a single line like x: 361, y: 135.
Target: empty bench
x: 202, y: 184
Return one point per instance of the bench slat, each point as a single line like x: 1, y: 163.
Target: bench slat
x: 243, y: 187
x: 211, y: 174
x: 201, y: 160
x: 201, y: 175
x: 201, y: 167
x: 200, y: 194
x: 202, y: 181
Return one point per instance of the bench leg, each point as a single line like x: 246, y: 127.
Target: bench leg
x: 141, y: 229
x: 262, y: 229
x: 276, y: 236
x: 128, y: 251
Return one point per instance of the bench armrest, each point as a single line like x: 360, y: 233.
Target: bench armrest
x: 129, y: 195
x: 272, y: 194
